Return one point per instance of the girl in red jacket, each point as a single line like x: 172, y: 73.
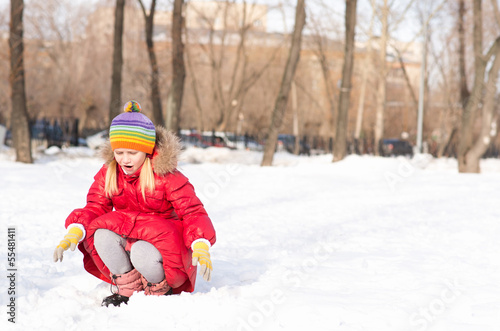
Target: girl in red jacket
x: 143, y: 228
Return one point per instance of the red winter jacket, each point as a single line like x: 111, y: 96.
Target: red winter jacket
x: 170, y: 218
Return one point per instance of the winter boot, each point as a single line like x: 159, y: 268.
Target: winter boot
x: 127, y: 284
x: 115, y: 300
x: 161, y: 288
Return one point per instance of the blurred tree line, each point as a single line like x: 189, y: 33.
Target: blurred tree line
x: 232, y: 65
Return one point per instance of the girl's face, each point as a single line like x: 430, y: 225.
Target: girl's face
x: 129, y: 159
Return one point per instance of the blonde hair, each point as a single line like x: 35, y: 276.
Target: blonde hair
x: 146, y: 179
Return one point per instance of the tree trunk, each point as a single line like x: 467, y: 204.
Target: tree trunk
x: 464, y: 90
x: 174, y: 102
x: 340, y: 149
x: 282, y: 99
x: 488, y: 131
x: 116, y: 76
x: 295, y: 110
x: 20, y: 123
x: 367, y: 65
x: 382, y: 88
x: 468, y: 156
x: 194, y: 85
x: 155, y: 74
x: 330, y: 90
x: 472, y: 99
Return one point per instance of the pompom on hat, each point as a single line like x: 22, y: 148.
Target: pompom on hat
x: 132, y: 130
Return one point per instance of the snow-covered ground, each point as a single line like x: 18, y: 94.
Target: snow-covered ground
x: 367, y: 243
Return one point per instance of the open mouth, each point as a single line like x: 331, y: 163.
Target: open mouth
x: 128, y: 167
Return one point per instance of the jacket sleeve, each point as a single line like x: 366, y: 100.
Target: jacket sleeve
x: 189, y: 209
x: 97, y: 202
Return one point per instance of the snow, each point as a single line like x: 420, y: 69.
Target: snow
x: 367, y: 243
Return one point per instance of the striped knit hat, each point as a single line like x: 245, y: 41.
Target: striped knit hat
x: 132, y: 130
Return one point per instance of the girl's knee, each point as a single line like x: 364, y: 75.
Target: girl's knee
x: 101, y: 234
x: 105, y: 237
x: 144, y: 252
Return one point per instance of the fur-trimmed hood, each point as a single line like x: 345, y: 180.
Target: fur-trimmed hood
x: 165, y: 154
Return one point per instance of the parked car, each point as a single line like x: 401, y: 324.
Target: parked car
x: 287, y: 142
x: 395, y: 147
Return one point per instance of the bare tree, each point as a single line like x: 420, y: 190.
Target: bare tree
x: 155, y: 72
x: 59, y: 42
x: 174, y: 102
x: 382, y: 73
x: 320, y: 40
x: 200, y: 126
x: 116, y: 77
x: 228, y: 94
x: 20, y: 122
x: 464, y: 90
x: 340, y: 149
x: 282, y: 99
x: 366, y: 68
x: 5, y: 93
x: 448, y: 114
x: 386, y: 11
x: 470, y: 151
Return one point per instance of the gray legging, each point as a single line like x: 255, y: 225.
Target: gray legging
x: 143, y: 256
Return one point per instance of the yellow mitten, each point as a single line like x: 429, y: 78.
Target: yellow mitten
x: 70, y: 241
x: 202, y: 256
